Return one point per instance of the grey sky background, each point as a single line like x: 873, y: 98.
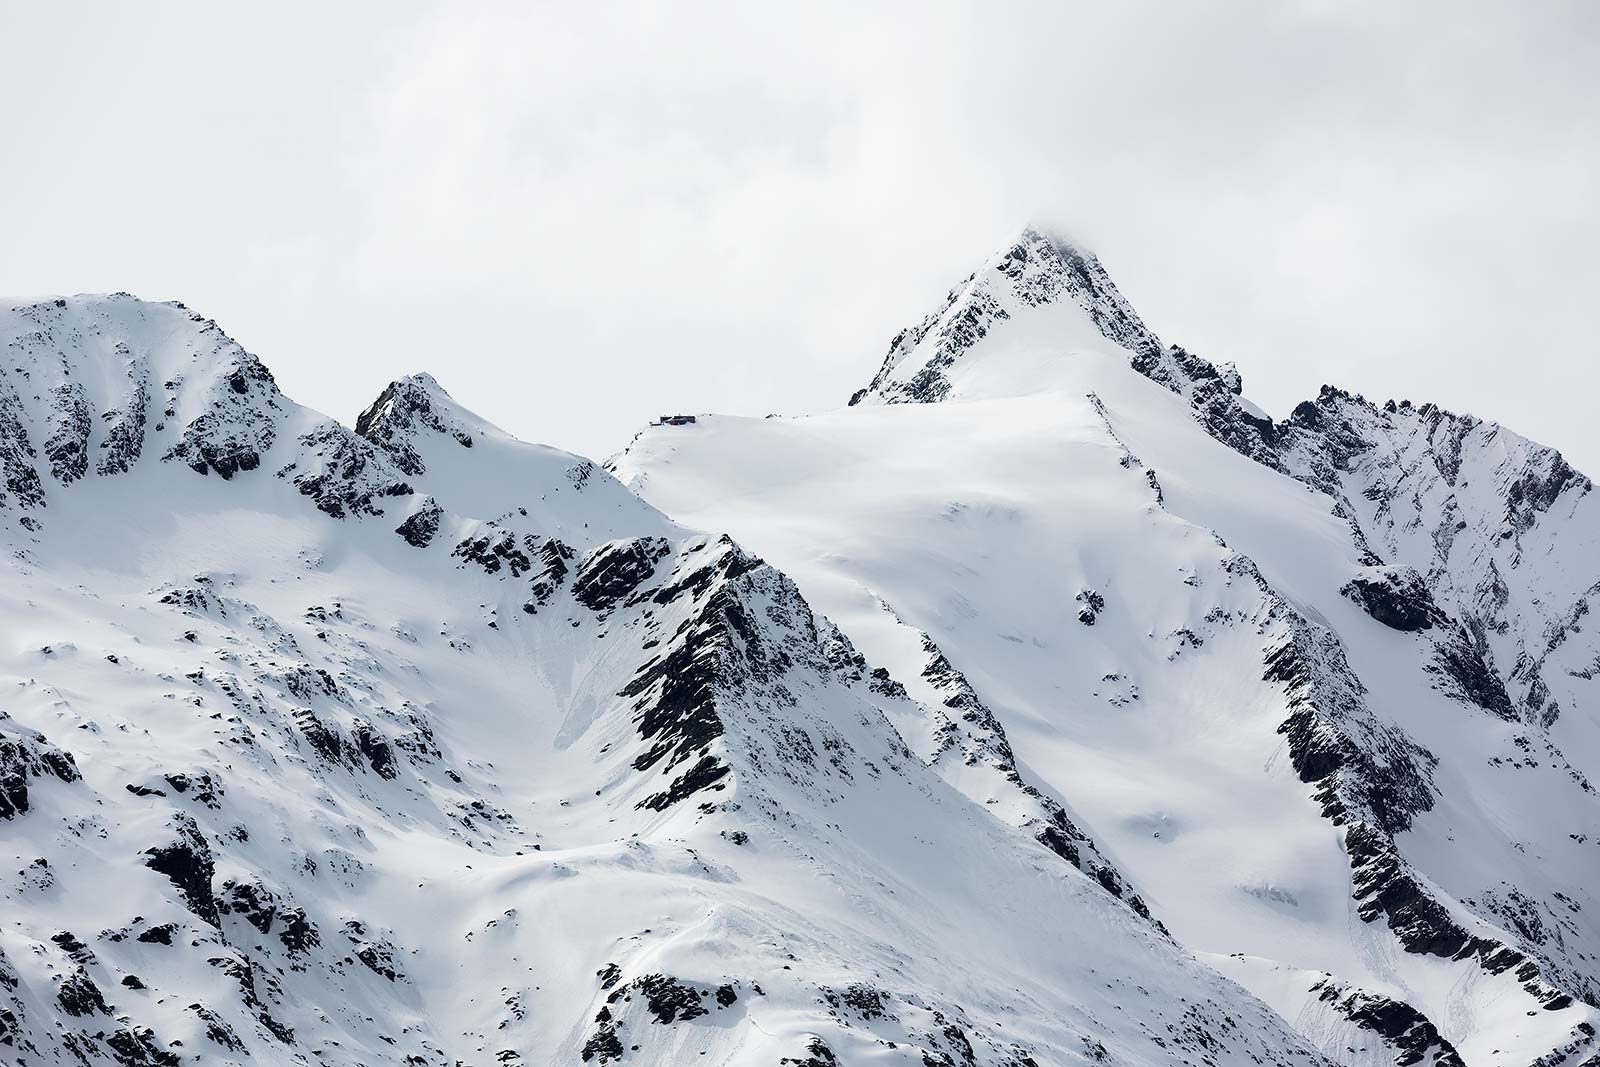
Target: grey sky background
x: 580, y: 216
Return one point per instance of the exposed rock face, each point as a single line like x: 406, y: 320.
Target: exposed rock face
x: 25, y: 756
x: 1395, y: 596
x: 496, y: 549
x: 17, y: 454
x: 1214, y: 395
x: 1469, y: 505
x: 1373, y: 780
x: 422, y: 525
x: 553, y: 558
x: 187, y: 861
x: 123, y: 442
x: 1365, y: 770
x: 613, y: 571
x: 68, y: 445
x: 237, y: 427
x: 404, y: 408
x: 79, y: 996
x: 1410, y: 1034
x: 343, y: 473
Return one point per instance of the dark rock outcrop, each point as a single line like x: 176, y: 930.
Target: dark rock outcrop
x: 421, y: 526
x: 342, y: 473
x: 616, y: 569
x: 187, y: 862
x: 406, y: 408
x: 238, y: 426
x: 78, y: 995
x: 1411, y: 1035
x: 1395, y: 596
x: 26, y: 756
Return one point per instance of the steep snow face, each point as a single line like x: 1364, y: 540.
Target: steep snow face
x: 422, y: 745
x: 1504, y: 531
x: 1272, y: 724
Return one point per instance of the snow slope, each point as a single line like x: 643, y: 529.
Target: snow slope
x: 1301, y: 721
x: 418, y: 744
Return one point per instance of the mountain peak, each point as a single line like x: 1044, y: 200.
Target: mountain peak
x: 1044, y: 299
x: 1036, y: 233
x: 1043, y: 289
x: 94, y: 382
x: 407, y: 407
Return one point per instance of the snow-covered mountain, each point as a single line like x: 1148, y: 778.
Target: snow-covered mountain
x: 418, y: 744
x: 1323, y: 691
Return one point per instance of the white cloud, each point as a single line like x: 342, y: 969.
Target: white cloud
x: 578, y: 218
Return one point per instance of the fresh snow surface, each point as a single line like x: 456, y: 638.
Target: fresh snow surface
x: 425, y: 746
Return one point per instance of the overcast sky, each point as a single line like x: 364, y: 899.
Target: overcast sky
x: 580, y: 216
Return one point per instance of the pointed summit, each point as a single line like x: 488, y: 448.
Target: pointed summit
x: 1054, y: 266
x: 1006, y: 329
x: 1043, y: 290
x: 405, y: 408
x: 468, y: 465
